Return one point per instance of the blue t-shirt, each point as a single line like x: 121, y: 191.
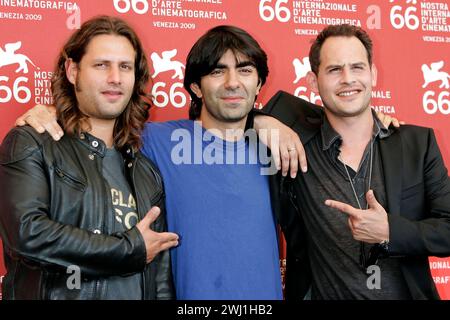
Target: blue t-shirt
x: 218, y: 201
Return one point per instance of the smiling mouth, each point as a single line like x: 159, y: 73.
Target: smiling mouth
x: 348, y: 93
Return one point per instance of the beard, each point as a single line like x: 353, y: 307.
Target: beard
x: 95, y: 112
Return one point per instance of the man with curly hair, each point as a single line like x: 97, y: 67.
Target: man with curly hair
x: 82, y: 217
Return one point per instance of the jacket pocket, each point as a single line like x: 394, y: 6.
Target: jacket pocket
x: 70, y: 180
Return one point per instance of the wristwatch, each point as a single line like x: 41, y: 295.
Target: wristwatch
x: 384, y: 248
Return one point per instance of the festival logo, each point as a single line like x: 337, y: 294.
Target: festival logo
x: 434, y: 73
x: 165, y: 94
x: 15, y: 87
x: 301, y: 68
x: 10, y: 57
x: 436, y: 80
x: 164, y: 63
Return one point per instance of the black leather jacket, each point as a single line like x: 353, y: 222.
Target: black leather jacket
x: 57, y: 212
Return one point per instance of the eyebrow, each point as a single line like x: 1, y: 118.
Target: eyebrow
x: 342, y: 65
x: 358, y: 64
x: 105, y: 60
x: 241, y: 64
x: 332, y: 66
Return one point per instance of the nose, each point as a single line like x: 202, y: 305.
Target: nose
x: 114, y: 75
x: 232, y: 80
x: 347, y: 76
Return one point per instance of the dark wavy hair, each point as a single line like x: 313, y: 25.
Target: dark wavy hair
x: 130, y: 123
x: 342, y: 30
x: 207, y: 51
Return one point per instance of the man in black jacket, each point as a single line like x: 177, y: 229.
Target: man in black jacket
x: 81, y: 217
x: 375, y: 203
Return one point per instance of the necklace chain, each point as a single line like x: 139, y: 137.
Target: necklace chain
x: 370, y: 175
x: 362, y: 250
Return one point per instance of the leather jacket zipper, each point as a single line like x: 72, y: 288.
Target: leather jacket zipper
x: 69, y: 179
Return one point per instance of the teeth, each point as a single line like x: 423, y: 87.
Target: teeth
x: 347, y: 93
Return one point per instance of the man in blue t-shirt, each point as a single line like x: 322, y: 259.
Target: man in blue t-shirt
x: 220, y: 207
x: 218, y: 198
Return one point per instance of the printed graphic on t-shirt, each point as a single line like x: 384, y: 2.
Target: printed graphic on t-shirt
x: 124, y: 208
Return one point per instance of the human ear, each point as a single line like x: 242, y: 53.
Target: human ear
x: 71, y: 70
x: 196, y: 89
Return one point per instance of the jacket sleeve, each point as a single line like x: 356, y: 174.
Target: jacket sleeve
x: 285, y: 206
x: 31, y: 235
x: 431, y: 234
x: 164, y: 280
x: 300, y: 115
x: 288, y: 108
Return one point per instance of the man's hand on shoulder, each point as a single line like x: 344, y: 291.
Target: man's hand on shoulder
x: 387, y: 120
x: 285, y: 145
x: 42, y: 118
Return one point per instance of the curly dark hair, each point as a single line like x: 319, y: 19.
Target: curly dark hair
x: 342, y: 30
x: 207, y: 51
x: 129, y: 124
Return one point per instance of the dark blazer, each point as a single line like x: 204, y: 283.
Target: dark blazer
x: 418, y: 196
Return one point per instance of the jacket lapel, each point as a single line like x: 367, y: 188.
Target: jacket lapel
x: 392, y: 156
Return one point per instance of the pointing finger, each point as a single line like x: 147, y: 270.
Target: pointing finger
x: 343, y: 207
